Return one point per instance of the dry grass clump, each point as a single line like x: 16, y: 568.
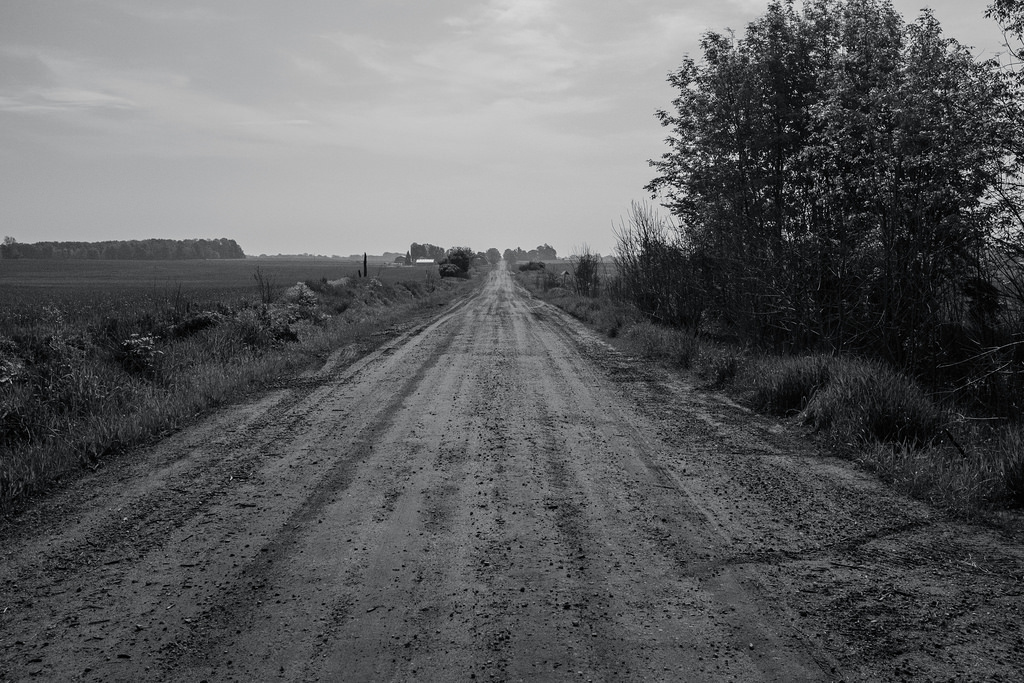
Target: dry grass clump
x: 670, y: 345
x: 866, y: 401
x: 784, y: 385
x: 852, y: 399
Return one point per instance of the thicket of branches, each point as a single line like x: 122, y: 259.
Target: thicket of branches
x: 841, y: 180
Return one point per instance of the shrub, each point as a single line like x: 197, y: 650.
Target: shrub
x: 139, y: 354
x: 301, y: 294
x: 450, y: 270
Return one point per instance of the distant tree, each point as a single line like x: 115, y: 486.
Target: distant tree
x: 460, y: 259
x: 493, y: 256
x: 431, y: 251
x: 150, y: 249
x: 9, y: 249
x: 546, y: 252
x: 509, y: 256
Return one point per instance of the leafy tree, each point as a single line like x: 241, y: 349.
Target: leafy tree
x: 546, y: 252
x: 833, y: 173
x: 418, y: 251
x: 493, y: 256
x: 456, y: 262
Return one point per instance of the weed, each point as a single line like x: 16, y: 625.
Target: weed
x: 266, y: 286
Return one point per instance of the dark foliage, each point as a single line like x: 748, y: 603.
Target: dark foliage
x: 147, y: 250
x: 841, y: 180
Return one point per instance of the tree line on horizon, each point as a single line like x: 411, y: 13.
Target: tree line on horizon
x: 544, y: 252
x: 145, y: 250
x: 839, y: 180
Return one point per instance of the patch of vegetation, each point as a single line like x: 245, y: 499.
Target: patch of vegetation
x: 81, y: 378
x: 673, y: 346
x: 784, y: 385
x: 866, y: 401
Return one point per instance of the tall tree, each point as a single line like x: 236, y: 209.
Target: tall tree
x: 833, y: 173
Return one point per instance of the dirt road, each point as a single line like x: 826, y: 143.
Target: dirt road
x: 498, y: 495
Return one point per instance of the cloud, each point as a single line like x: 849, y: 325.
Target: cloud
x: 62, y: 99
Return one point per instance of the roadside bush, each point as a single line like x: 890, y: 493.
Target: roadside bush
x: 301, y: 294
x: 532, y: 265
x: 139, y: 354
x: 450, y: 270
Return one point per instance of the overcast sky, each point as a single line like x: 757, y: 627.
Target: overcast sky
x: 343, y: 126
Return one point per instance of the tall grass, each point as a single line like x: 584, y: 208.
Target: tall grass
x: 667, y: 344
x: 81, y: 380
x: 853, y: 399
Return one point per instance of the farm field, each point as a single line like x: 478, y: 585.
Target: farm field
x: 61, y: 279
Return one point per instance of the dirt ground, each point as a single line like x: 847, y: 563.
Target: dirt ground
x: 497, y: 494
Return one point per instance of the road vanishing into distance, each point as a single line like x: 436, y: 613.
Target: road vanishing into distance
x: 496, y: 494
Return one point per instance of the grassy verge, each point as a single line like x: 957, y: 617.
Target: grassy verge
x: 864, y: 410
x: 78, y: 383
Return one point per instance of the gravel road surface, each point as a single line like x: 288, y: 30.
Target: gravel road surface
x: 497, y: 494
